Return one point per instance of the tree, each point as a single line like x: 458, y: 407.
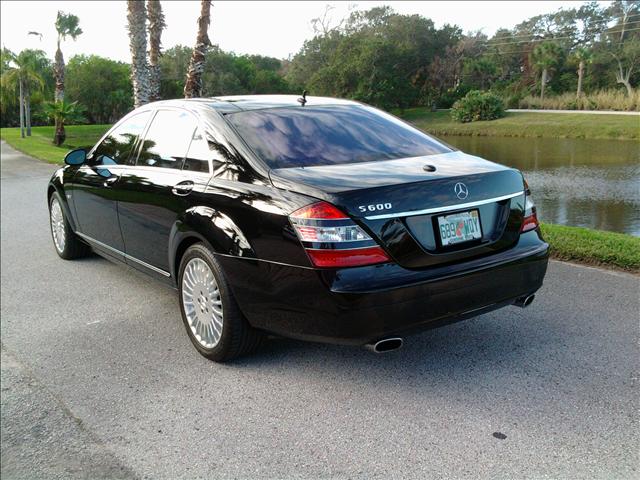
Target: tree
x: 623, y: 41
x: 63, y: 113
x: 137, y: 19
x: 156, y: 25
x: 66, y: 26
x: 545, y: 58
x: 22, y: 74
x: 583, y: 56
x: 100, y: 84
x: 193, y: 83
x: 627, y: 59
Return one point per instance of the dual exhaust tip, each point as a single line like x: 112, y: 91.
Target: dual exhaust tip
x: 524, y: 302
x: 385, y: 345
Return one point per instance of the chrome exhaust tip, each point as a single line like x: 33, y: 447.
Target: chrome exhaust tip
x: 524, y: 302
x: 385, y: 345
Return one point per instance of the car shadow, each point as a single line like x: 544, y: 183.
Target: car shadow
x: 492, y: 344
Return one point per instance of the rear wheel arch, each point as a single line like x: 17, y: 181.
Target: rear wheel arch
x: 217, y: 231
x: 180, y: 250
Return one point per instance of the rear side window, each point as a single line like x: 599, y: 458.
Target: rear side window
x: 309, y: 136
x: 199, y: 154
x: 117, y: 147
x: 167, y: 140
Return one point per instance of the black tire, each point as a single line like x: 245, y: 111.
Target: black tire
x: 73, y: 246
x: 238, y: 337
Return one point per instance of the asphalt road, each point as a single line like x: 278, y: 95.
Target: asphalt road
x: 99, y: 380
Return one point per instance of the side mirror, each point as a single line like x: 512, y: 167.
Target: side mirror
x: 76, y: 157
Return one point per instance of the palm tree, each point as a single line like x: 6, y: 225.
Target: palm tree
x: 22, y: 75
x: 193, y: 85
x: 156, y: 25
x: 545, y: 59
x: 137, y: 19
x: 583, y: 56
x: 66, y: 26
x: 61, y: 113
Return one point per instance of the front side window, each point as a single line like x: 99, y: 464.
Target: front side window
x: 118, y: 145
x: 329, y: 135
x: 167, y: 140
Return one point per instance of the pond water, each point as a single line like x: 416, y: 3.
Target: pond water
x: 586, y: 183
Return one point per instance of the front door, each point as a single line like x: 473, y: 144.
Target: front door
x: 93, y: 188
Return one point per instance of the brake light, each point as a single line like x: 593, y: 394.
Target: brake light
x: 332, y: 240
x: 530, y: 216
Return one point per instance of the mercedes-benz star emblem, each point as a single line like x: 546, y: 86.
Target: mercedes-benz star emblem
x: 461, y: 190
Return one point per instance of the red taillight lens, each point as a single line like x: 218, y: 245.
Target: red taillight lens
x: 530, y: 223
x: 348, y: 257
x: 320, y: 210
x: 530, y: 216
x: 332, y: 240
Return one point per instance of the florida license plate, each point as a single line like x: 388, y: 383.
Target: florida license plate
x: 459, y: 227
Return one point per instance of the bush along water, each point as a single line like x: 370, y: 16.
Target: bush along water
x: 600, y: 100
x: 477, y: 105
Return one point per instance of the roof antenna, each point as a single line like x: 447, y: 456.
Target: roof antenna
x: 303, y: 99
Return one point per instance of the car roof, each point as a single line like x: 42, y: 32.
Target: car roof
x: 238, y: 103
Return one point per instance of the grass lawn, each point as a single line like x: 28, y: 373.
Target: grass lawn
x: 549, y: 125
x: 593, y: 247
x: 40, y: 145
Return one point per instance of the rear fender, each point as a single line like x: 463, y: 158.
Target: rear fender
x: 212, y: 227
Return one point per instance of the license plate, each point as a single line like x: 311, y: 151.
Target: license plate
x: 459, y: 227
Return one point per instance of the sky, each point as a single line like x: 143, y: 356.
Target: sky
x: 276, y: 29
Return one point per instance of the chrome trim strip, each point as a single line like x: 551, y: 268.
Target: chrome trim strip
x: 128, y: 257
x: 445, y: 209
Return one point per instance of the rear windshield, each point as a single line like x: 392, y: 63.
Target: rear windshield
x: 310, y: 136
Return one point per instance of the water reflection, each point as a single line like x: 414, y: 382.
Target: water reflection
x: 587, y: 183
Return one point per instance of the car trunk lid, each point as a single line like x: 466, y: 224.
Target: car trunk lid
x: 400, y: 201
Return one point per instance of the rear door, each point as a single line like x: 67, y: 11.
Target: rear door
x: 93, y: 188
x: 171, y: 171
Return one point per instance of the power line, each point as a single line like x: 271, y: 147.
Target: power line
x: 488, y: 42
x: 502, y: 37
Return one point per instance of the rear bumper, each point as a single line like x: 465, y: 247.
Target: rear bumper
x: 360, y: 305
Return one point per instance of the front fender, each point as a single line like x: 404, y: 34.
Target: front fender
x: 57, y: 184
x: 212, y: 227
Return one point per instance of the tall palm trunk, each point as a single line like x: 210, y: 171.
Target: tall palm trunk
x: 21, y: 107
x: 27, y: 109
x: 137, y: 18
x: 58, y: 73
x: 193, y: 84
x: 60, y: 134
x: 156, y: 25
x: 543, y: 83
x: 580, y: 75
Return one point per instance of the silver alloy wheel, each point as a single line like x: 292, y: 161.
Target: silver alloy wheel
x: 57, y: 225
x: 202, y: 303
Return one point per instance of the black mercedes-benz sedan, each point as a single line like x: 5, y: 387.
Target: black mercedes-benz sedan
x: 311, y: 218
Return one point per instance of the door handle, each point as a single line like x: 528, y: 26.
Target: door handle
x: 183, y: 189
x: 109, y: 182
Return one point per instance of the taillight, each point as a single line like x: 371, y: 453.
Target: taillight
x: 332, y: 239
x: 530, y: 217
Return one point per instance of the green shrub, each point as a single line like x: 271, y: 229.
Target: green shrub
x: 477, y: 105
